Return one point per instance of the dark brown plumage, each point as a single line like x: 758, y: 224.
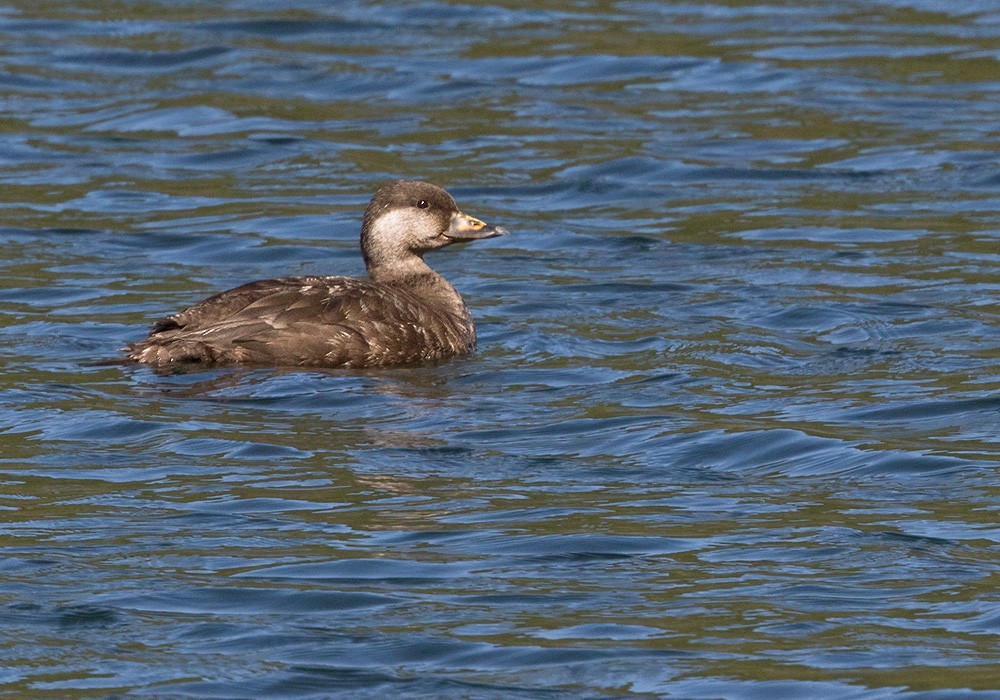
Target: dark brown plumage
x: 404, y: 313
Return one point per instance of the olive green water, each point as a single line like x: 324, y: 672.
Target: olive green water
x: 732, y: 428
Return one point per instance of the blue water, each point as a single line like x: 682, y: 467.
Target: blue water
x: 732, y: 428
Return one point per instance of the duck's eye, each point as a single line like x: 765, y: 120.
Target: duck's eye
x: 423, y: 204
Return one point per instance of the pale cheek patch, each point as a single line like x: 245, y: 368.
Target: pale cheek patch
x: 394, y: 233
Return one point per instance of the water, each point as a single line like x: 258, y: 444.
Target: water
x: 732, y: 427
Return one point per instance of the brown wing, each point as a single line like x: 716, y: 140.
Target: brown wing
x: 221, y: 306
x: 305, y: 321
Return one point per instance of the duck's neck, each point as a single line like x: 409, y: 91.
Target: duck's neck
x: 416, y: 277
x: 398, y: 268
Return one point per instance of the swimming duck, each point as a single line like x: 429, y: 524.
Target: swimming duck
x: 404, y: 313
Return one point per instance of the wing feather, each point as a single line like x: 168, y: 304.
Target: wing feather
x: 306, y: 321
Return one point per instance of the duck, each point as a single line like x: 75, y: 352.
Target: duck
x: 404, y: 313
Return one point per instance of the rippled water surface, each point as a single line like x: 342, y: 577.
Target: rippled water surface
x: 732, y: 428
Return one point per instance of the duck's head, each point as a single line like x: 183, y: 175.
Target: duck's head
x: 408, y: 218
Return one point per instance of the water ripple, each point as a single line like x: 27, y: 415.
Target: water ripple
x: 731, y: 428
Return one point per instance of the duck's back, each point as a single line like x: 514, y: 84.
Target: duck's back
x: 311, y: 321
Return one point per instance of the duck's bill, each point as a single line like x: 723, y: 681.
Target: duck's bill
x: 469, y: 228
